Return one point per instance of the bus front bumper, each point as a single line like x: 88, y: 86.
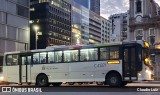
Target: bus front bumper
x: 146, y: 75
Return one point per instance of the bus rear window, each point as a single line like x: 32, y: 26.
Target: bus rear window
x: 12, y: 60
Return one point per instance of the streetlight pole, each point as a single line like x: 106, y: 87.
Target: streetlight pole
x: 36, y: 31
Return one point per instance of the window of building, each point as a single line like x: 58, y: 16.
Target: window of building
x: 22, y: 11
x: 139, y: 35
x: 139, y: 6
x: 24, y: 2
x: 152, y: 35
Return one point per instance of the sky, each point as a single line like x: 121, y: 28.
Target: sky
x: 109, y: 7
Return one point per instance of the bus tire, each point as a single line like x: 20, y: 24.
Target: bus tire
x: 42, y: 80
x: 57, y: 84
x: 114, y: 79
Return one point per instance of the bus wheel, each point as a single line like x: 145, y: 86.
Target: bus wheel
x: 57, y: 84
x: 124, y: 83
x: 42, y: 80
x: 114, y: 79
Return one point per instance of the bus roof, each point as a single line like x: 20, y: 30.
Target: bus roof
x: 64, y: 47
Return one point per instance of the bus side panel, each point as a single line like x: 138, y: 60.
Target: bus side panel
x: 56, y: 72
x: 102, y: 68
x: 11, y: 73
x: 81, y: 71
x: 5, y: 73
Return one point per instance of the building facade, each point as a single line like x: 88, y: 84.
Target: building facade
x: 94, y: 28
x: 144, y: 24
x: 119, y: 27
x: 144, y: 21
x: 93, y: 5
x: 80, y: 24
x: 53, y: 21
x: 14, y: 26
x: 105, y: 30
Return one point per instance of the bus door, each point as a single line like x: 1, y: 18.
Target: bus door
x: 25, y: 68
x: 129, y: 63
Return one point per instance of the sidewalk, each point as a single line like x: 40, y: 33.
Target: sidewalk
x: 148, y: 82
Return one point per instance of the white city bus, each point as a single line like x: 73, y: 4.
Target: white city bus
x: 115, y: 64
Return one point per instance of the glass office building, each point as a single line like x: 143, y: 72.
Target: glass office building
x: 53, y: 17
x: 93, y: 5
x: 80, y: 24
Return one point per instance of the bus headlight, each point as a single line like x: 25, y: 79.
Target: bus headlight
x: 146, y: 60
x: 147, y: 71
x: 139, y: 74
x: 1, y: 78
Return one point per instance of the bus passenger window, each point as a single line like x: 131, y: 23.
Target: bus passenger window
x: 67, y: 56
x: 36, y: 58
x: 74, y: 55
x: 43, y: 57
x: 58, y: 56
x: 50, y: 57
x: 84, y: 55
x: 93, y: 54
x: 89, y: 54
x: 12, y: 60
x: 29, y: 59
x: 9, y: 60
x: 23, y: 60
x: 104, y: 53
x: 114, y: 52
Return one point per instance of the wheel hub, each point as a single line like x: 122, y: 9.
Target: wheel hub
x: 113, y: 79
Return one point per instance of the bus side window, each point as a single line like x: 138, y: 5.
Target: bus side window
x: 114, y: 52
x: 84, y: 55
x: 74, y: 55
x: 58, y: 56
x: 43, y: 57
x: 67, y: 56
x: 29, y: 59
x: 50, y: 57
x: 104, y: 53
x: 93, y: 54
x: 36, y: 58
x: 89, y: 54
x: 9, y: 60
x: 12, y: 60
